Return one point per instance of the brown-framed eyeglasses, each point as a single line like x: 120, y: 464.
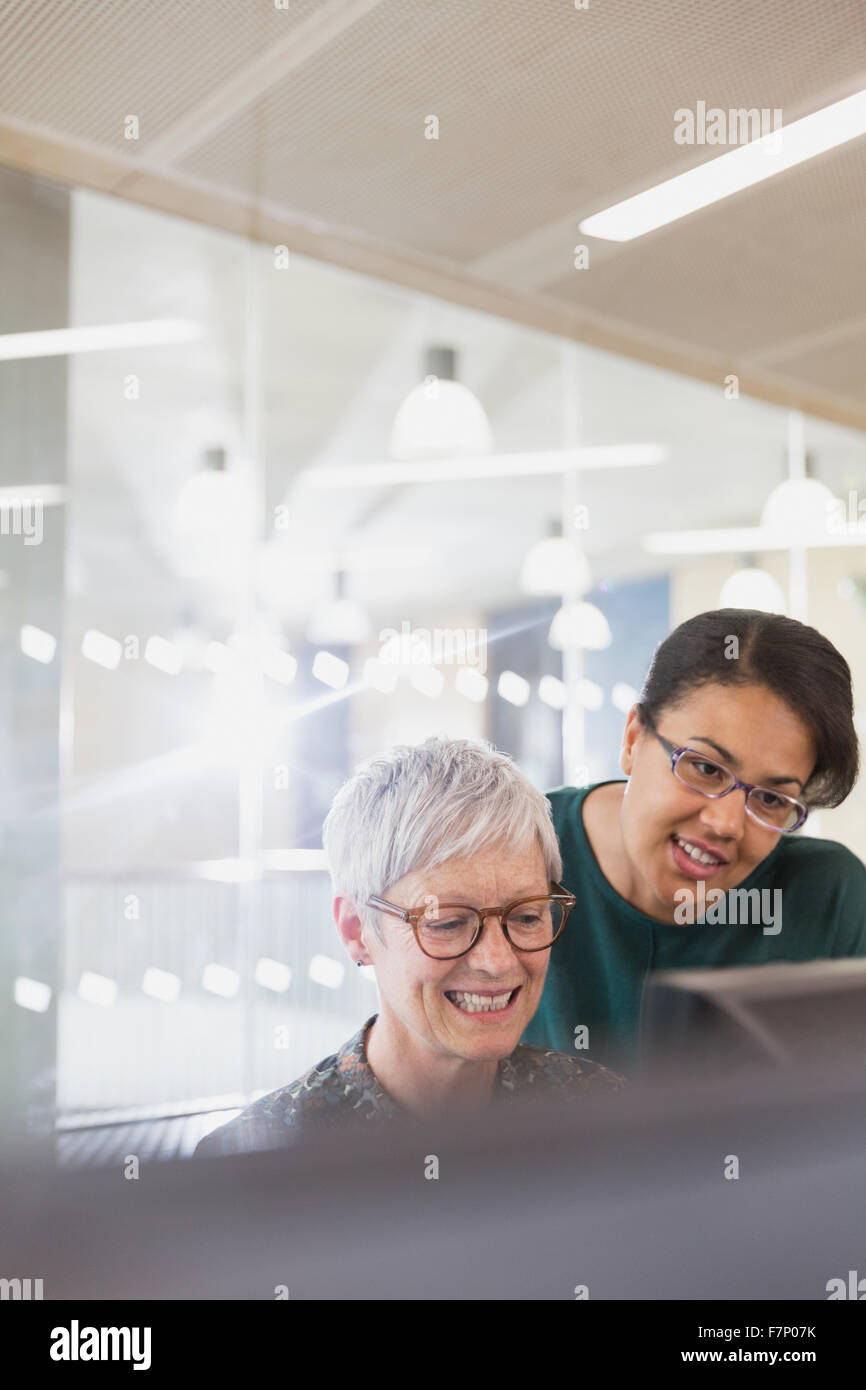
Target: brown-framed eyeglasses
x: 448, y: 930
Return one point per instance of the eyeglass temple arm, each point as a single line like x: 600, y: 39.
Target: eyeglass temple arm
x: 670, y: 748
x: 381, y: 906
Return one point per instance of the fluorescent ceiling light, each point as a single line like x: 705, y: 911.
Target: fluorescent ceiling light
x: 219, y: 979
x: 295, y: 860
x: 37, y: 644
x: 48, y: 494
x: 163, y: 985
x: 489, y: 466
x: 282, y: 565
x: 99, y: 647
x: 330, y: 670
x: 324, y: 970
x: 553, y: 692
x: 164, y: 655
x: 513, y: 688
x: 279, y: 665
x: 227, y: 870
x: 749, y: 540
x: 379, y: 676
x: 97, y: 989
x: 32, y: 994
x: 217, y: 657
x: 273, y: 974
x: 471, y: 684
x: 60, y: 342
x: 736, y: 169
x: 427, y: 680
x: 623, y: 696
x: 589, y: 695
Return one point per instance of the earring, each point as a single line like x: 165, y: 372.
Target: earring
x: 359, y: 962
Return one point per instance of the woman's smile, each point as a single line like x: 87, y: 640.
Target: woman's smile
x: 484, y: 1004
x: 695, y: 858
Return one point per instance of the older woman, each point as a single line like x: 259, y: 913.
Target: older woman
x: 446, y: 869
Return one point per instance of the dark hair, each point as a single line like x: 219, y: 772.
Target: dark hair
x: 794, y: 661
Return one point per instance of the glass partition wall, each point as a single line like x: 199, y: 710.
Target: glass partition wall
x: 309, y: 515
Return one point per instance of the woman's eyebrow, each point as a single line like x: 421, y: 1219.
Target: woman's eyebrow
x: 465, y: 901
x: 722, y: 752
x: 729, y: 758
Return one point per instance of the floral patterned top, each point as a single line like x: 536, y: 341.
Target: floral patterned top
x: 343, y: 1089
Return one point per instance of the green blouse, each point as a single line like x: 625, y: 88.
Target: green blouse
x: 592, y: 994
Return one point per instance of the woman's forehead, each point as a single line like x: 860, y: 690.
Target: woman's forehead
x: 749, y: 721
x: 513, y: 871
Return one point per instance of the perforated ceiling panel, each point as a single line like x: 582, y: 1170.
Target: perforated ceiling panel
x: 542, y: 110
x: 784, y: 259
x: 80, y: 67
x: 546, y: 113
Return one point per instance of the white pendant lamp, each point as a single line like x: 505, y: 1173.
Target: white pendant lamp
x: 339, y: 621
x: 211, y: 522
x: 554, y: 565
x: 440, y: 417
x: 800, y: 509
x: 755, y: 588
x: 579, y: 625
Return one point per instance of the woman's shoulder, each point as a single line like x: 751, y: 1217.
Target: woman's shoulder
x: 825, y: 883
x: 267, y: 1122
x: 567, y: 795
x: 566, y: 803
x: 530, y: 1066
x: 341, y: 1088
x: 808, y: 854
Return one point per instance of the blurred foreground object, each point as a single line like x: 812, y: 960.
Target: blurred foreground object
x: 712, y: 1023
x: 629, y: 1196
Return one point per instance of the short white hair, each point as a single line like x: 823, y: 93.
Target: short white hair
x: 416, y: 806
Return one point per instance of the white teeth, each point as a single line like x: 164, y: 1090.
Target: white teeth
x: 696, y: 854
x: 479, y: 1003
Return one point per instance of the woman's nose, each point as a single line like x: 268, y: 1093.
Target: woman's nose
x: 726, y: 817
x: 493, y: 947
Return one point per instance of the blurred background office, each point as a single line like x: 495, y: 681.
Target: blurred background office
x: 325, y: 427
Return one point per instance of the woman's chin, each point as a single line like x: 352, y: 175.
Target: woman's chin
x: 486, y: 1038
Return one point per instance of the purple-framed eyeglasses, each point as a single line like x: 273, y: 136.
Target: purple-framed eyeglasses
x: 771, y: 809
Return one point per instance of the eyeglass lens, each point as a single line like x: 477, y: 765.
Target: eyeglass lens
x: 450, y: 930
x: 772, y: 808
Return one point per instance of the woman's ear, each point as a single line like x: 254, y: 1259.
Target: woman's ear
x: 630, y: 735
x: 351, y: 929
